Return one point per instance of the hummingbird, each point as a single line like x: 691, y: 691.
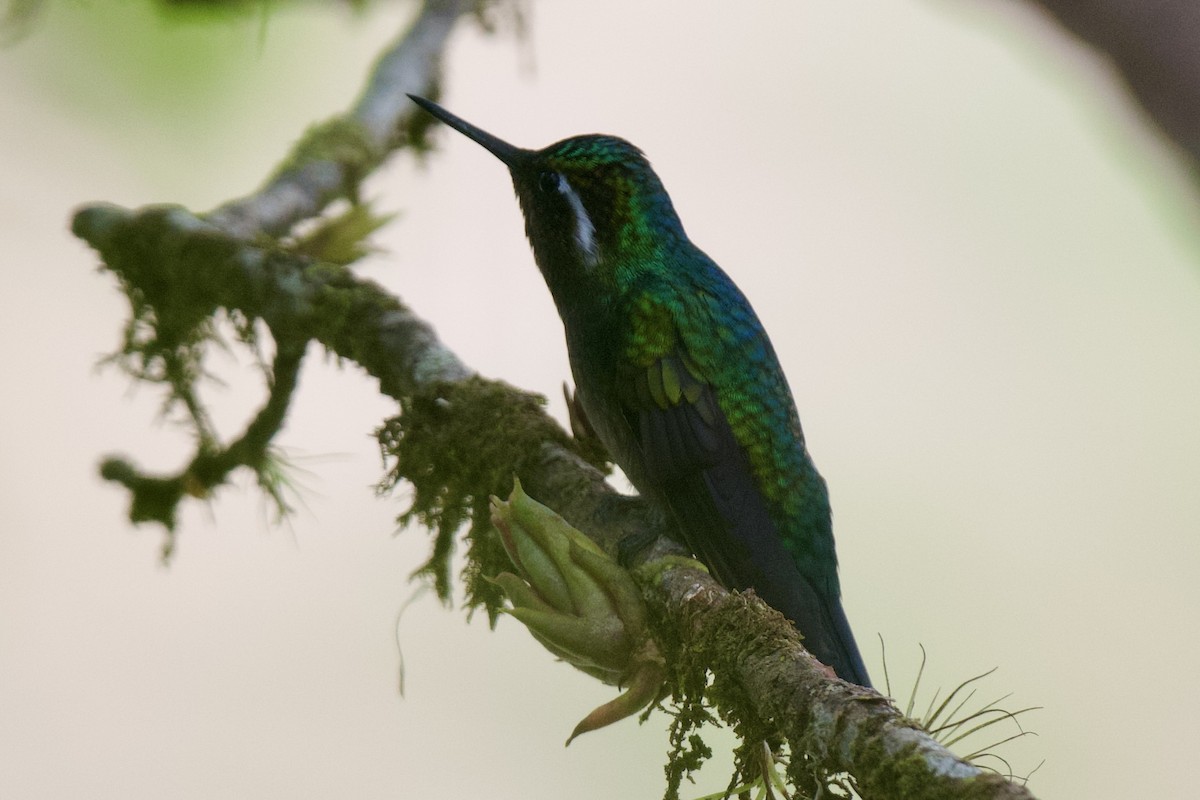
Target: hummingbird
x: 678, y: 378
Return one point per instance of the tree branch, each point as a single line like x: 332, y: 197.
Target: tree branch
x: 328, y: 163
x: 1155, y: 47
x: 834, y: 724
x: 168, y: 254
x: 840, y: 727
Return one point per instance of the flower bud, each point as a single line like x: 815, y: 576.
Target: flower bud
x: 579, y: 603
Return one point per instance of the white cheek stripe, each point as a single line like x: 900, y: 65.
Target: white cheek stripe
x: 585, y: 231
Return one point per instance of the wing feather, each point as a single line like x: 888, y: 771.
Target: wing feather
x: 693, y: 462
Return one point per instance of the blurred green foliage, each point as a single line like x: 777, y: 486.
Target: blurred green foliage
x: 20, y: 15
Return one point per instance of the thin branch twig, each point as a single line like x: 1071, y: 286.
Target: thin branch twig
x: 382, y: 113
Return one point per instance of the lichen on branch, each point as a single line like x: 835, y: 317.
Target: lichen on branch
x: 460, y: 439
x: 457, y: 444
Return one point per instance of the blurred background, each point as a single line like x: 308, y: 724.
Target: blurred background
x: 978, y: 264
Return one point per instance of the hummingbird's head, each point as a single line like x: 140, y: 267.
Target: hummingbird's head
x: 595, y: 212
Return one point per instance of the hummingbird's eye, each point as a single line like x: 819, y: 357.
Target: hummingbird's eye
x: 549, y: 181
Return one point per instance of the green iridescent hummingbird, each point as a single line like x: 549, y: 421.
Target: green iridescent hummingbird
x: 678, y: 378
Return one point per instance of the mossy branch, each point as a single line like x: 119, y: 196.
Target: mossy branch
x: 164, y: 263
x: 761, y: 670
x: 156, y: 498
x: 458, y: 443
x: 460, y: 439
x: 764, y: 681
x: 332, y: 157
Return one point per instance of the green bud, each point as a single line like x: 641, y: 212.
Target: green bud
x: 579, y: 603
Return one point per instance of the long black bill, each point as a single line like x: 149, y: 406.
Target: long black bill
x: 498, y: 147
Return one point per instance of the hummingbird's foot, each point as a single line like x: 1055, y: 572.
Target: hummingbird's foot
x: 589, y: 443
x: 581, y: 427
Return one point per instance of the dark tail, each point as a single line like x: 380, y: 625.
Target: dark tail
x: 696, y: 467
x: 819, y: 618
x: 729, y: 527
x: 842, y: 652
